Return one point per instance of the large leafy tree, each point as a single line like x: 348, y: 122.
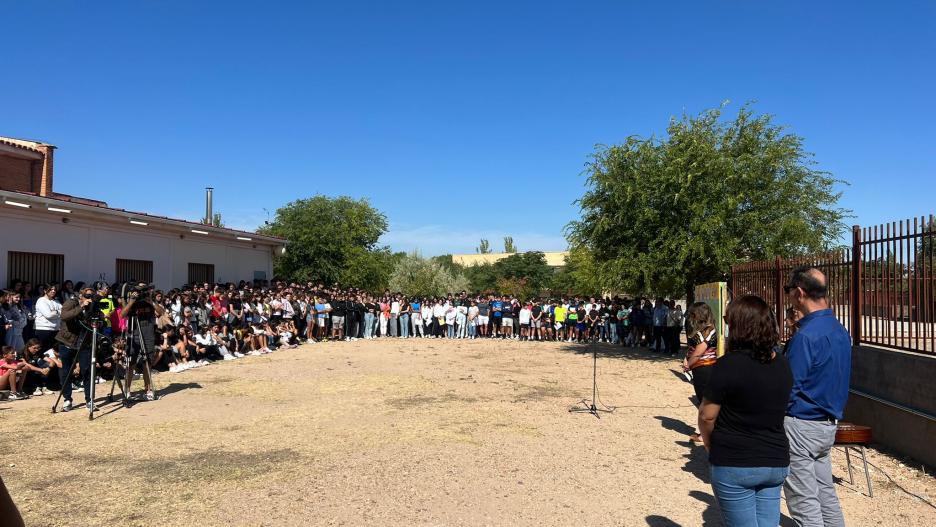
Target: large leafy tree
x: 662, y: 215
x: 332, y: 240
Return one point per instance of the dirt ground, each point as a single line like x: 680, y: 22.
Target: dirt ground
x: 415, y: 432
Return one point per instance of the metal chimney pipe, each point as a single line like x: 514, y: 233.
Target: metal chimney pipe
x: 209, y: 215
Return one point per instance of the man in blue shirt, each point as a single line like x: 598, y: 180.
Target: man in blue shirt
x: 820, y: 358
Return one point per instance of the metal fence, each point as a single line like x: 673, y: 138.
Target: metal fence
x: 882, y: 288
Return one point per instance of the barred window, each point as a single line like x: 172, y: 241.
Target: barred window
x: 199, y: 273
x: 134, y: 270
x: 36, y: 268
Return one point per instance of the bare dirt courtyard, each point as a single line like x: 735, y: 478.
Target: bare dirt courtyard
x: 402, y: 432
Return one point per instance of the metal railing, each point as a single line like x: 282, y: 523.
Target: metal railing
x: 882, y: 288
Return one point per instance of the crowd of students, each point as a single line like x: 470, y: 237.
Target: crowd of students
x: 201, y: 323
x: 767, y: 415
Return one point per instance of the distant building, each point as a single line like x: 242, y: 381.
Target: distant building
x: 50, y: 237
x: 553, y: 259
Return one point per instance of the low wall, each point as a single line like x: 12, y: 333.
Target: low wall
x: 894, y: 392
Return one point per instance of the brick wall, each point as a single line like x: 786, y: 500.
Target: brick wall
x: 19, y: 174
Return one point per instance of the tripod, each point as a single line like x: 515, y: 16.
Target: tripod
x: 134, y: 353
x: 583, y: 406
x: 94, y: 342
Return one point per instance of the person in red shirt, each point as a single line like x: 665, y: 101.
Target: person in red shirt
x: 12, y: 374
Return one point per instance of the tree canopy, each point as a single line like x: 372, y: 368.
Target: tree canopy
x: 332, y: 240
x: 520, y: 274
x: 661, y: 215
x: 423, y: 277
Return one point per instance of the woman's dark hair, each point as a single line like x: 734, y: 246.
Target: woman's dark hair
x: 700, y: 318
x: 752, y: 327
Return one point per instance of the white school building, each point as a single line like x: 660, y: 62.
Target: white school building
x: 50, y: 237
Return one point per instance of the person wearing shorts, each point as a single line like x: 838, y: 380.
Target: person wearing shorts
x: 507, y: 320
x: 484, y: 311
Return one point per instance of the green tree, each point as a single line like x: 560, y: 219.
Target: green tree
x: 579, y: 275
x: 660, y: 216
x: 485, y: 247
x: 332, y: 240
x: 415, y: 275
x: 482, y: 277
x: 530, y: 266
x: 216, y: 220
x: 509, y: 246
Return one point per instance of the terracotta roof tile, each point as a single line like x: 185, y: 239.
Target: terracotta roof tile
x: 25, y: 144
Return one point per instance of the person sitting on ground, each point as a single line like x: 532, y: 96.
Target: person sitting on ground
x: 37, y: 368
x: 12, y: 373
x: 742, y: 416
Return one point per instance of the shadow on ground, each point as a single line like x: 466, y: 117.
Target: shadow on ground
x: 616, y: 351
x: 696, y: 464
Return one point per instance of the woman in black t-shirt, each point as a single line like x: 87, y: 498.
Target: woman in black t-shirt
x: 741, y: 417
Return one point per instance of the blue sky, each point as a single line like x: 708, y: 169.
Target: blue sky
x: 458, y: 120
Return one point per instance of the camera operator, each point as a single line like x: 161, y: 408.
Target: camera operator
x: 72, y: 345
x: 138, y: 304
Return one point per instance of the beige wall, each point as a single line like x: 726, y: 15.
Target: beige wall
x: 553, y: 259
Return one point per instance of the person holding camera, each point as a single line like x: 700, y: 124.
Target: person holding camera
x: 142, y: 338
x: 73, y: 349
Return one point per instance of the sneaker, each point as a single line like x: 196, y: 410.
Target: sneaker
x: 38, y: 392
x: 229, y: 357
x: 99, y: 381
x: 238, y: 354
x: 65, y: 407
x: 687, y: 375
x: 150, y: 396
x: 173, y: 369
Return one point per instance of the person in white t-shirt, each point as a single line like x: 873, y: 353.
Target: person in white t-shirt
x: 524, y: 319
x: 461, y: 319
x: 48, y: 317
x: 473, y: 320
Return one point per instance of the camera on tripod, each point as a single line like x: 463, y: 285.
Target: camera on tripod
x: 133, y: 290
x: 95, y: 311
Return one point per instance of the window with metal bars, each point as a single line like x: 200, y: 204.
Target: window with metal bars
x: 134, y: 270
x: 199, y: 273
x: 36, y: 268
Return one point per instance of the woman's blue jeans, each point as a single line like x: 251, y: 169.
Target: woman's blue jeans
x: 368, y: 325
x: 749, y: 496
x: 404, y: 325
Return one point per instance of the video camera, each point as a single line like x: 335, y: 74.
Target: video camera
x: 135, y: 290
x: 94, y: 311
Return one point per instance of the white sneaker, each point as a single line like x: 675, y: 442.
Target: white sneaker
x: 229, y: 357
x: 238, y: 354
x: 173, y: 369
x: 38, y: 392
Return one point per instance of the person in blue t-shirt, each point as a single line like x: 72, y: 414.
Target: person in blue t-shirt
x: 497, y: 316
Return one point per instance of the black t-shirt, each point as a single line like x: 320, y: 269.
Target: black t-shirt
x: 339, y: 308
x: 536, y: 311
x: 753, y: 398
